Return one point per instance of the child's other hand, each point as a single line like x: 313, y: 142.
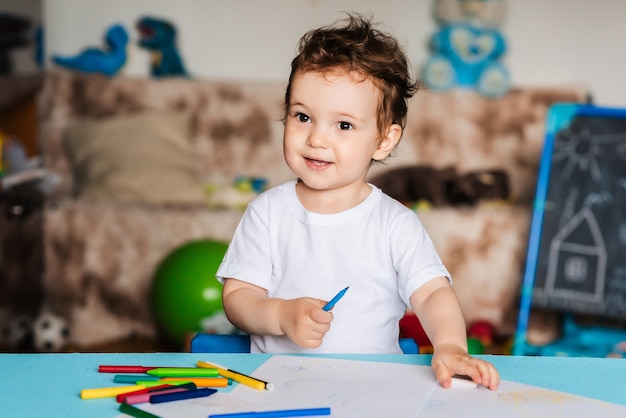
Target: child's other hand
x: 449, y: 360
x: 304, y: 321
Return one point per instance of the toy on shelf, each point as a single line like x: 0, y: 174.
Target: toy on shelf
x: 159, y: 37
x: 467, y: 47
x: 427, y: 186
x: 584, y: 341
x: 479, y: 336
x: 45, y: 333
x: 13, y: 35
x: 410, y: 327
x: 50, y: 333
x: 237, y: 194
x: 17, y: 169
x: 107, y: 61
x: 16, y: 332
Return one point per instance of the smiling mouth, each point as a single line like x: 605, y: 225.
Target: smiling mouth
x: 317, y: 163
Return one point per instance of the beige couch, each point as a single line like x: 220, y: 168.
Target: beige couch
x: 104, y: 237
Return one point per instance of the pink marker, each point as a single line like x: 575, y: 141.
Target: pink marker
x: 145, y: 397
x: 120, y: 398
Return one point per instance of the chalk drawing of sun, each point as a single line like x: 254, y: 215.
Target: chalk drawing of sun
x: 581, y: 149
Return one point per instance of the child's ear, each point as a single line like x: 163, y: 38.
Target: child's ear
x: 388, y: 142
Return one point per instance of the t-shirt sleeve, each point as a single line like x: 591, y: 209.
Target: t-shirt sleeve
x: 248, y: 256
x: 414, y: 256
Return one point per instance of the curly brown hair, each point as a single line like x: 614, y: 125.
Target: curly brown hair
x: 354, y: 44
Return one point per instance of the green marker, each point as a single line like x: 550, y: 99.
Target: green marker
x: 183, y: 372
x: 135, y: 412
x: 152, y: 383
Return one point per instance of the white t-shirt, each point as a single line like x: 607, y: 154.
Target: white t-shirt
x: 378, y: 248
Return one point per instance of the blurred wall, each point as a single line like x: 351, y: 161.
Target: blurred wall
x: 551, y: 42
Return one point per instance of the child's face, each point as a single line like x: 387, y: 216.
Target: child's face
x: 331, y: 133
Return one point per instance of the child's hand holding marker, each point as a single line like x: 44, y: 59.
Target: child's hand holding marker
x: 302, y: 321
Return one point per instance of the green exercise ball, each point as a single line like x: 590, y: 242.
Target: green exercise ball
x: 185, y: 290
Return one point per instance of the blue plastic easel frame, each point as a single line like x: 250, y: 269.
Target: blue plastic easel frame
x: 559, y: 117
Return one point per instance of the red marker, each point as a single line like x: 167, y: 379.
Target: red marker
x: 125, y: 369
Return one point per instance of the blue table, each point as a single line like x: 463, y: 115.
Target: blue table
x: 48, y: 385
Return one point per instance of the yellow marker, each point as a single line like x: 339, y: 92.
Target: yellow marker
x: 205, y: 382
x: 238, y: 377
x: 108, y: 392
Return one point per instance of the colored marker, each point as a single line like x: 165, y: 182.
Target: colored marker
x: 125, y: 369
x: 276, y: 414
x: 136, y: 412
x: 107, y: 392
x: 150, y: 384
x: 178, y: 396
x: 239, y: 377
x: 184, y: 372
x: 132, y: 378
x: 331, y: 303
x: 204, y: 382
x: 145, y: 397
x: 153, y: 390
x: 121, y: 396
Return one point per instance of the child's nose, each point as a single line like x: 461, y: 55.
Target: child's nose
x: 317, y: 139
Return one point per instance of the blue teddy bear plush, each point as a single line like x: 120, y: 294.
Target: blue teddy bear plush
x: 466, y: 50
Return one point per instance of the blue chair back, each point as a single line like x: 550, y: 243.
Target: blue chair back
x: 240, y: 343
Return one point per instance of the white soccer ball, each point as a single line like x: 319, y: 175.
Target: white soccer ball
x: 50, y: 333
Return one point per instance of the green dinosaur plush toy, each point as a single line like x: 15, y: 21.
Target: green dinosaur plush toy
x: 159, y: 37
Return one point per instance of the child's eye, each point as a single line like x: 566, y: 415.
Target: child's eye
x: 301, y: 117
x: 344, y: 126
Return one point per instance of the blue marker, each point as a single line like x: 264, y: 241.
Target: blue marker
x: 331, y: 303
x: 275, y: 414
x: 177, y: 396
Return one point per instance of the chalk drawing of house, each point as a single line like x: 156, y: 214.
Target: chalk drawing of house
x: 577, y: 260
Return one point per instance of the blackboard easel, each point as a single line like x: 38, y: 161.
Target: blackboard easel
x: 576, y: 258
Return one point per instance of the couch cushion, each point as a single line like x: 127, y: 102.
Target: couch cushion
x: 144, y: 158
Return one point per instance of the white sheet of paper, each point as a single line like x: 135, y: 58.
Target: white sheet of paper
x: 350, y: 388
x: 516, y: 400
x: 364, y: 389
